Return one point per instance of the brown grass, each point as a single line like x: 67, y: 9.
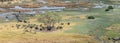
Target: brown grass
x: 18, y: 37
x: 82, y: 16
x: 13, y: 35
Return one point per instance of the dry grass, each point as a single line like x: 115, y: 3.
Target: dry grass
x: 9, y: 34
x: 79, y: 16
x: 82, y: 16
x: 13, y: 35
x: 17, y: 37
x: 66, y: 17
x: 114, y: 27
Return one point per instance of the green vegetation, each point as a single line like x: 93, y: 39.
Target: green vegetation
x: 95, y: 27
x: 84, y: 26
x: 113, y: 34
x: 49, y: 18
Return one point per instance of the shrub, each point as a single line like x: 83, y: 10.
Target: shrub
x: 91, y: 17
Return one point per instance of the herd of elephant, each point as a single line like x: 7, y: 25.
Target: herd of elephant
x: 33, y: 28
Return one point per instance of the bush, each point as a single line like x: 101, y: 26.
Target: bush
x: 110, y: 7
x: 107, y: 10
x: 91, y: 17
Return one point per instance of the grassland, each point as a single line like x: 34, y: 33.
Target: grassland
x: 14, y: 35
x: 80, y: 30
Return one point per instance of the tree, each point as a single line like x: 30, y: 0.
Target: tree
x: 110, y: 7
x: 49, y: 18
